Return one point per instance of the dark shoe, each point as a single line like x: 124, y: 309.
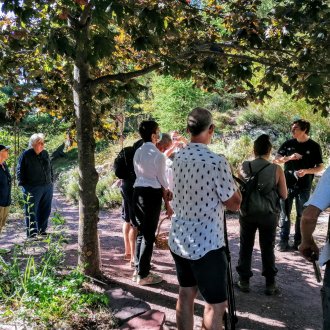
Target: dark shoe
x: 295, y: 245
x: 271, y: 289
x: 43, y: 233
x: 283, y: 246
x: 244, y: 285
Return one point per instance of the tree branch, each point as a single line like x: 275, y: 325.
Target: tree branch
x: 233, y: 45
x: 263, y: 61
x: 86, y: 13
x: 124, y: 76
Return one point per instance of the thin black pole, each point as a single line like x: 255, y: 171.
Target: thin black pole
x: 230, y: 317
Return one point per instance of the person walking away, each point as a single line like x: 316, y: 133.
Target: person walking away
x: 271, y: 187
x: 35, y: 175
x: 149, y: 188
x: 5, y: 186
x: 302, y: 158
x: 203, y: 187
x: 318, y: 202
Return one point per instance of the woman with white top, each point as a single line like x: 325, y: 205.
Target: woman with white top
x: 149, y: 188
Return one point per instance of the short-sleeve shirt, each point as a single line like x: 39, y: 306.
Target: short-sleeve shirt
x: 202, y: 182
x: 321, y: 195
x: 311, y: 157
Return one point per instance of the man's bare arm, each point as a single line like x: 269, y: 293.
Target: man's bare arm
x: 234, y: 202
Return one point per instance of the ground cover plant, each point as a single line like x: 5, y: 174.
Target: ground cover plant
x: 37, y: 290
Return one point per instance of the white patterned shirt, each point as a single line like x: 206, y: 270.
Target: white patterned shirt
x: 202, y: 182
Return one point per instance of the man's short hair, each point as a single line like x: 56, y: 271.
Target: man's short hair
x: 303, y: 124
x: 198, y: 121
x: 146, y: 129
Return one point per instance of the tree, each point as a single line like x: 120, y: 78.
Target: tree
x: 96, y: 48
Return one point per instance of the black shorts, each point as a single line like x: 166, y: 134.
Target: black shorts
x: 127, y: 213
x: 208, y: 273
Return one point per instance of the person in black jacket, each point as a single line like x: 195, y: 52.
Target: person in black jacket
x: 35, y: 175
x: 5, y: 186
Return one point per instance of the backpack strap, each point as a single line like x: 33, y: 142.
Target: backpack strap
x: 241, y: 182
x: 256, y: 173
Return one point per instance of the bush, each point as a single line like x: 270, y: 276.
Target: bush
x: 236, y: 151
x: 109, y: 195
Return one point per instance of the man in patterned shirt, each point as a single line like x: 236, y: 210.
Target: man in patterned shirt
x: 203, y: 187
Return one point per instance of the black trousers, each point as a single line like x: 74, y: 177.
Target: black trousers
x: 147, y: 207
x: 267, y: 233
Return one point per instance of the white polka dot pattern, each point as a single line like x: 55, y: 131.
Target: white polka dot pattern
x: 202, y: 181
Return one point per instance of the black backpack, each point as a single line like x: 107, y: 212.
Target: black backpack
x: 255, y: 201
x: 123, y: 164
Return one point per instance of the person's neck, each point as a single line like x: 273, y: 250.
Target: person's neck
x: 198, y: 139
x: 303, y: 138
x: 265, y: 157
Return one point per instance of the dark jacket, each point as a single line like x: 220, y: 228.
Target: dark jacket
x: 33, y: 169
x: 5, y: 186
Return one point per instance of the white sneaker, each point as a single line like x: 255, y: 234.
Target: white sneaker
x: 135, y: 276
x: 151, y: 279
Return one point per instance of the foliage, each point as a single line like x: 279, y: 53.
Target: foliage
x: 33, y: 290
x: 43, y: 123
x: 235, y: 150
x: 17, y: 200
x: 172, y: 100
x: 279, y: 112
x: 68, y: 183
x: 109, y: 195
x: 202, y: 41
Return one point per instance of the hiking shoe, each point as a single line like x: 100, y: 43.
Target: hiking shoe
x: 135, y: 276
x: 244, y: 285
x: 271, y: 289
x: 151, y: 279
x: 283, y: 246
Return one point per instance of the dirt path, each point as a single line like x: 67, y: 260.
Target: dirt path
x: 298, y: 306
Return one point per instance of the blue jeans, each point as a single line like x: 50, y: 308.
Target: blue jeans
x: 37, y: 207
x: 325, y: 295
x: 300, y: 197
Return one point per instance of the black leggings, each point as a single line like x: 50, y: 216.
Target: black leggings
x: 147, y: 207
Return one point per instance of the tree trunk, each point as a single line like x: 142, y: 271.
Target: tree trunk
x: 88, y: 248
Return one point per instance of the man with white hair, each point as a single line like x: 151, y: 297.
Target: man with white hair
x: 35, y: 175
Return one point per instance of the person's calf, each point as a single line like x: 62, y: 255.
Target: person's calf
x: 213, y: 316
